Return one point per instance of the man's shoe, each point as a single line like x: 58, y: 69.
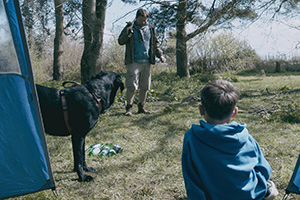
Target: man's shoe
x: 272, y: 192
x: 128, y: 110
x: 142, y: 109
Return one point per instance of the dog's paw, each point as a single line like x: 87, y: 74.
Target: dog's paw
x: 86, y: 178
x: 89, y: 169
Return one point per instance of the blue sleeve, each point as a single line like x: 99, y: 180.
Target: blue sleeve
x: 190, y: 175
x: 262, y: 166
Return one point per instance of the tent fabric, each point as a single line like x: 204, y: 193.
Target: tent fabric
x: 294, y: 184
x: 24, y: 159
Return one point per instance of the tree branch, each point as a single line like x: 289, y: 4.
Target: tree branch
x: 216, y: 15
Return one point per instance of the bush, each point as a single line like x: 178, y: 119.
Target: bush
x: 42, y: 62
x: 289, y: 113
x: 71, y: 59
x: 113, y: 57
x: 269, y: 66
x: 221, y: 53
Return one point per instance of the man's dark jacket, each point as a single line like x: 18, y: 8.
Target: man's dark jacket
x: 154, y: 49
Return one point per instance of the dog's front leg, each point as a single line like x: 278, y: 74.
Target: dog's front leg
x: 78, y: 153
x: 85, y: 167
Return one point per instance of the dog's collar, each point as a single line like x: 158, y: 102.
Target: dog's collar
x: 95, y: 97
x: 98, y: 100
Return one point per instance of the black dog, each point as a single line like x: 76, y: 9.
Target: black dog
x: 83, y: 110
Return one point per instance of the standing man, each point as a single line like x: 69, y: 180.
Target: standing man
x: 141, y: 48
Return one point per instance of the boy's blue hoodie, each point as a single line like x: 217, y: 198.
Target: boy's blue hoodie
x: 223, y: 162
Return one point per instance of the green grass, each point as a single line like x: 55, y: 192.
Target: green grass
x: 150, y: 165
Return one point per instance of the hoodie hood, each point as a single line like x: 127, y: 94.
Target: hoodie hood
x: 228, y: 138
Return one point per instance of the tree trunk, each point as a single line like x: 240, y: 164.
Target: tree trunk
x: 58, y: 40
x: 181, y: 46
x: 93, y: 14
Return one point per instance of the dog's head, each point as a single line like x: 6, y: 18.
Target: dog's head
x: 105, y: 85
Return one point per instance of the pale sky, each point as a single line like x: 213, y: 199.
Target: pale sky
x: 273, y: 38
x: 267, y: 38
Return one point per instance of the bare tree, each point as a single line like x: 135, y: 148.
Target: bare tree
x: 93, y: 15
x: 58, y: 40
x: 181, y: 39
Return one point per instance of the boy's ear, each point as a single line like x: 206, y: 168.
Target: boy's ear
x: 201, y: 109
x: 235, y: 112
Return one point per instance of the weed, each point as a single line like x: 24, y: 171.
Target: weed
x: 168, y: 109
x: 152, y: 96
x: 285, y: 88
x: 288, y: 112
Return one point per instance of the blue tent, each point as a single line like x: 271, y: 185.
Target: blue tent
x: 24, y: 158
x: 294, y: 184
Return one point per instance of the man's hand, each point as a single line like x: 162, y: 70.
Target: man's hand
x: 162, y: 59
x: 130, y: 31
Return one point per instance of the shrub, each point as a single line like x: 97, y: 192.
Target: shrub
x: 269, y: 66
x: 71, y: 59
x: 221, y: 53
x: 289, y: 113
x: 42, y: 62
x: 113, y: 57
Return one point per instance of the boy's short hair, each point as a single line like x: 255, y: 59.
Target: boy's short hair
x: 219, y: 98
x: 142, y: 12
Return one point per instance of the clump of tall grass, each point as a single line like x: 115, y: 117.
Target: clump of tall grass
x: 289, y: 113
x: 42, y: 62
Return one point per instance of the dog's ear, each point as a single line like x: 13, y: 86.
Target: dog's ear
x: 97, y: 76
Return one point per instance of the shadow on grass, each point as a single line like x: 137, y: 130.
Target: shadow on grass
x: 265, y: 93
x: 172, y: 129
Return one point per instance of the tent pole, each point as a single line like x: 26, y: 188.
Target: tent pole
x: 34, y: 92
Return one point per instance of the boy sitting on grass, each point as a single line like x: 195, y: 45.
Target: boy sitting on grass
x: 221, y: 160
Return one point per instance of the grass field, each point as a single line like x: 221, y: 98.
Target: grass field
x: 150, y: 165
